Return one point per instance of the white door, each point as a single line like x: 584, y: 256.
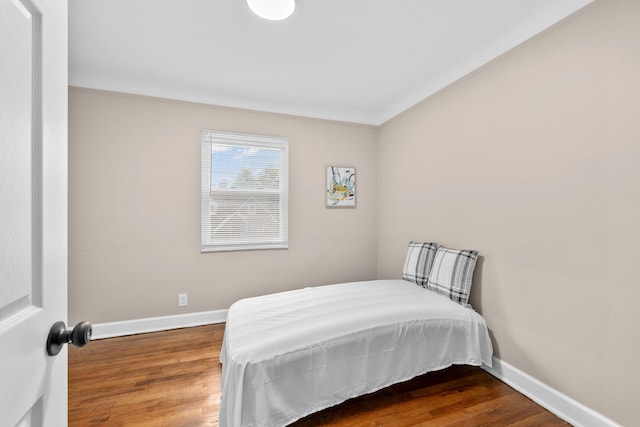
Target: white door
x: 33, y: 210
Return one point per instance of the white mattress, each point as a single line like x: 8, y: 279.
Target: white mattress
x: 290, y: 354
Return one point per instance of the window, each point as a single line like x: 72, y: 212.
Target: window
x: 244, y: 192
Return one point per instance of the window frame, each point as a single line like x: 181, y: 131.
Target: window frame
x: 234, y: 139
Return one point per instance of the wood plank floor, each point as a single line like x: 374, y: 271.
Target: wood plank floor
x: 172, y: 378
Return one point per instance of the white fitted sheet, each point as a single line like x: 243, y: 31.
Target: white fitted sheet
x: 290, y: 354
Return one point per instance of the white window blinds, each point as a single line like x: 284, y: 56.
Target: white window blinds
x: 244, y: 192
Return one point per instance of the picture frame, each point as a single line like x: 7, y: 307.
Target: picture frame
x: 340, y: 187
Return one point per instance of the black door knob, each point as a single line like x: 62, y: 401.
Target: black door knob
x: 59, y: 335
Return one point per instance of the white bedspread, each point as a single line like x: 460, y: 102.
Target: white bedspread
x: 290, y: 354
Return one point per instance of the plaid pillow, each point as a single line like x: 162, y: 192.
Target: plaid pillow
x: 418, y: 262
x: 452, y: 273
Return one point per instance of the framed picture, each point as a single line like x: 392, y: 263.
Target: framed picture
x: 340, y: 187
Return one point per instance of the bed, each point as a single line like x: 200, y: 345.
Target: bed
x: 290, y: 354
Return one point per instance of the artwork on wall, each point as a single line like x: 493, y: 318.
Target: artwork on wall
x: 340, y: 187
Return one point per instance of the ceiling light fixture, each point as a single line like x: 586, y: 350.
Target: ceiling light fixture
x: 273, y: 10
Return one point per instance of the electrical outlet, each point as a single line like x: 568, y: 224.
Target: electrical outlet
x: 183, y: 300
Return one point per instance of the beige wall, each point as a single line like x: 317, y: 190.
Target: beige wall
x: 534, y: 160
x: 134, y: 208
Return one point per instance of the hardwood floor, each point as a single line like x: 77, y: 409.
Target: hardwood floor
x: 167, y: 378
x: 172, y: 378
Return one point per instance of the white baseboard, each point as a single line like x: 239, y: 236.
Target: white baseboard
x: 154, y: 324
x: 573, y: 412
x: 556, y: 402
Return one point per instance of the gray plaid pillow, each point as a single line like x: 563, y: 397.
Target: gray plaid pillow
x: 452, y: 273
x: 418, y: 262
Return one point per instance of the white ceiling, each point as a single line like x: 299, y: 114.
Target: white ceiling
x: 360, y: 61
